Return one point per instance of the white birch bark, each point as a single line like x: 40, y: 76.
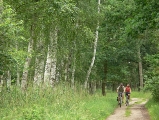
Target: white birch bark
x: 67, y: 67
x: 66, y: 70
x: 74, y: 67
x: 27, y: 63
x: 18, y: 73
x: 54, y: 60
x: 73, y: 75
x: 8, y: 80
x: 47, y: 72
x: 74, y: 64
x: 1, y: 82
x: 38, y: 76
x: 140, y: 68
x: 50, y: 67
x: 39, y: 64
x: 94, y: 53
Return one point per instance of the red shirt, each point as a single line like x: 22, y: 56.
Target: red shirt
x: 127, y: 89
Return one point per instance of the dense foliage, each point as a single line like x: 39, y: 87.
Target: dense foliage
x: 39, y: 36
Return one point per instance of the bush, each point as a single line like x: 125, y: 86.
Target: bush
x: 153, y: 108
x: 152, y: 84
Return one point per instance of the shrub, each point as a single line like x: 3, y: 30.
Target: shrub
x: 152, y: 84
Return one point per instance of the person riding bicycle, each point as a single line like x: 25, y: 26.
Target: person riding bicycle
x: 120, y: 89
x: 127, y: 91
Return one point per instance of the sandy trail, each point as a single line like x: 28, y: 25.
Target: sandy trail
x: 137, y: 109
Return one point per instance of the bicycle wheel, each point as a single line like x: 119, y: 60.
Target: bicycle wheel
x: 120, y: 100
x: 127, y: 101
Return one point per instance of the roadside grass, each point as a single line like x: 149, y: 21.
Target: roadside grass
x: 153, y: 108
x: 141, y: 94
x: 61, y: 103
x: 100, y: 107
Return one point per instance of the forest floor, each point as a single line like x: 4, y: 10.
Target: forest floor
x: 135, y: 111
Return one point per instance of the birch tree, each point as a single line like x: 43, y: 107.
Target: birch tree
x: 47, y: 73
x: 95, y: 47
x: 54, y: 57
x: 18, y: 71
x: 8, y: 80
x: 39, y: 61
x: 50, y: 66
x: 27, y: 61
x: 74, y: 66
x: 1, y: 72
x: 140, y: 69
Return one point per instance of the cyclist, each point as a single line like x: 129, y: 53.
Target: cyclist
x: 127, y: 91
x: 120, y: 89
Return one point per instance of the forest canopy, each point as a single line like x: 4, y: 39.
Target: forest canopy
x: 95, y: 44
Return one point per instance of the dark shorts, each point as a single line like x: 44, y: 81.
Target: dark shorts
x: 127, y: 93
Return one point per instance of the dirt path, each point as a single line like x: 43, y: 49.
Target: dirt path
x: 136, y: 109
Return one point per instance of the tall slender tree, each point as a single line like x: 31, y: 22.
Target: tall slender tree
x: 28, y: 60
x: 95, y: 47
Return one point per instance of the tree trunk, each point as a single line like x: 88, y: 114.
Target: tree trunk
x: 1, y: 82
x: 27, y: 62
x: 74, y: 61
x: 47, y: 67
x: 18, y: 78
x: 92, y: 87
x: 104, y: 81
x: 94, y: 53
x: 73, y: 68
x: 98, y: 84
x: 54, y: 59
x: 39, y: 62
x: 18, y: 71
x: 50, y: 67
x: 140, y: 69
x: 8, y: 80
x: 66, y: 69
x: 103, y: 88
x: 39, y: 66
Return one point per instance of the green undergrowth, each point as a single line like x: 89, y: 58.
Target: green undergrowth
x: 101, y: 107
x: 153, y: 108
x: 61, y: 103
x: 143, y: 95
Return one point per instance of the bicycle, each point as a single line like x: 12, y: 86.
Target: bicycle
x: 127, y: 99
x: 120, y: 99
